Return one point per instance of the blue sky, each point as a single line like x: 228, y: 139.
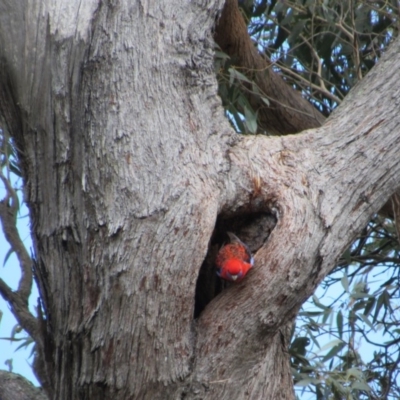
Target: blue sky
x: 10, y: 273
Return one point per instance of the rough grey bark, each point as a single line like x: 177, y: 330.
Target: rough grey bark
x: 14, y: 386
x: 128, y: 162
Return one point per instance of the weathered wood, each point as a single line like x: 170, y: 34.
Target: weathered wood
x: 129, y: 160
x: 14, y: 386
x: 325, y: 184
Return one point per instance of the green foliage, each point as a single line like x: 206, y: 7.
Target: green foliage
x: 320, y: 47
x: 346, y: 343
x: 233, y: 85
x: 324, y: 47
x: 353, y: 325
x: 25, y: 339
x: 8, y: 156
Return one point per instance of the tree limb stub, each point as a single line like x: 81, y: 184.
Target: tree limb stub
x: 319, y: 181
x: 14, y: 386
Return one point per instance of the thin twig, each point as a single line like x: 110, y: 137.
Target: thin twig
x: 17, y: 300
x: 19, y: 308
x: 8, y: 216
x: 312, y: 85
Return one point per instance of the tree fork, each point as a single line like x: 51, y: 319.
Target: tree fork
x: 288, y: 111
x: 130, y: 163
x: 318, y: 181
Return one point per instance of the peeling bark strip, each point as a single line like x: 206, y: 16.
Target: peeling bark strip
x: 128, y: 162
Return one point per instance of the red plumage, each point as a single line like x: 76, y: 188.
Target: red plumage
x: 234, y: 260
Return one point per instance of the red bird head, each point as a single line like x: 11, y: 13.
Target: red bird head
x: 234, y: 260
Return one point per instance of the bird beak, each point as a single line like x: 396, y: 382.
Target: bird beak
x: 234, y: 277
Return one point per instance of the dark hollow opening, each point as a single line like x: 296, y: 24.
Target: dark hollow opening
x: 252, y: 228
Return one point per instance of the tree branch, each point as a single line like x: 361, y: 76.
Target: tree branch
x: 8, y: 216
x: 326, y: 185
x: 19, y: 308
x: 288, y: 112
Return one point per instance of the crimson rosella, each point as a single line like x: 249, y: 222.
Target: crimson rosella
x: 234, y: 260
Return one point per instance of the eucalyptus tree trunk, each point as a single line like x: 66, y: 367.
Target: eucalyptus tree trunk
x: 129, y: 164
